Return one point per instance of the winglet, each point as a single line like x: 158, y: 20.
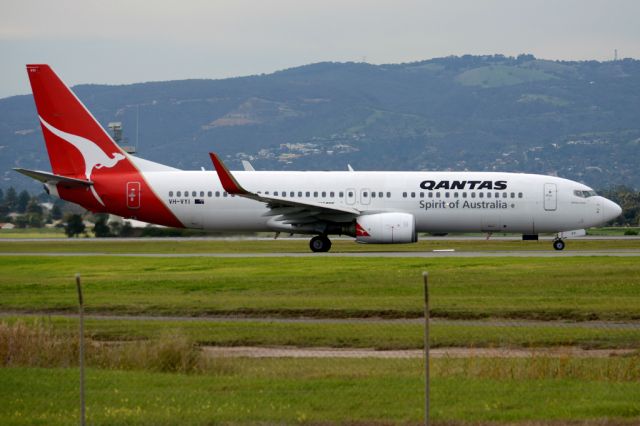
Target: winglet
x: 229, y: 183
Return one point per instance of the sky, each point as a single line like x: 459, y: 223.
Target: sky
x: 129, y: 41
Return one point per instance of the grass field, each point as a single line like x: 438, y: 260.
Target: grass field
x: 377, y: 335
x: 305, y: 391
x: 32, y: 233
x: 138, y: 383
x: 533, y: 288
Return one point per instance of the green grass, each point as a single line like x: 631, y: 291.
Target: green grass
x: 300, y: 391
x: 378, y: 335
x: 284, y: 245
x: 500, y: 75
x: 534, y: 288
x: 32, y: 233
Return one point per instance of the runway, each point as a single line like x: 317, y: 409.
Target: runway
x: 407, y: 254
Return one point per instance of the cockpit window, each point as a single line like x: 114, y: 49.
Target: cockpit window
x: 584, y: 194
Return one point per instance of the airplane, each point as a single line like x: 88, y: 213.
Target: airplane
x: 90, y: 169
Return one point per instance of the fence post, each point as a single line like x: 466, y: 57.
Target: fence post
x: 425, y: 277
x: 81, y: 312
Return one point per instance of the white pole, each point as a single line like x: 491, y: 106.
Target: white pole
x: 81, y: 312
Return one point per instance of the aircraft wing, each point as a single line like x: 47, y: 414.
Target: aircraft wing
x: 291, y: 212
x: 47, y: 177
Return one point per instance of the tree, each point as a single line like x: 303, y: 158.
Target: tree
x: 11, y: 199
x: 74, y: 225
x: 21, y: 221
x: 23, y: 201
x: 56, y: 212
x: 101, y: 229
x: 35, y: 220
x: 115, y: 227
x: 34, y: 206
x: 127, y: 230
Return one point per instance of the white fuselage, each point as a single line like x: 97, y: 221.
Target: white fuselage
x: 523, y: 203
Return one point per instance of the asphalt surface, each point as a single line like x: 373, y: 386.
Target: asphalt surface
x: 427, y: 254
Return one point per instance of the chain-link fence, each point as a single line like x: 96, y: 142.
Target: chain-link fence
x: 501, y: 350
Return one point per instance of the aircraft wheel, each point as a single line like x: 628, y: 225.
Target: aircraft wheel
x: 319, y: 244
x: 558, y: 244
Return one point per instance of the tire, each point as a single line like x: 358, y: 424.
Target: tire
x: 558, y: 244
x: 320, y: 244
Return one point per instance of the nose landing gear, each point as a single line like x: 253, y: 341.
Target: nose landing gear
x: 320, y: 244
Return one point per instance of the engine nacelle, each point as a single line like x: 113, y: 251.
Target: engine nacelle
x: 386, y: 228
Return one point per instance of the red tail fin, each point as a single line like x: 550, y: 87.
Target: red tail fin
x: 67, y: 124
x: 80, y: 148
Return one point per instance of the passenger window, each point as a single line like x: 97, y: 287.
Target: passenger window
x: 178, y: 194
x: 275, y: 193
x: 404, y: 195
x: 350, y: 194
x: 380, y: 194
x: 292, y: 194
x: 202, y: 193
x: 430, y: 194
x: 464, y: 195
x: 388, y: 195
x: 332, y: 194
x: 519, y: 194
x: 446, y: 195
x: 488, y: 195
x: 217, y: 193
x: 513, y: 195
x: 456, y: 195
x: 497, y: 195
x: 413, y: 195
x: 473, y: 195
x: 209, y: 194
x: 437, y: 195
x: 341, y: 195
x: 315, y: 194
x: 224, y: 194
x: 422, y: 195
x: 373, y: 195
x: 170, y: 193
x: 480, y: 195
x: 324, y: 194
x: 307, y: 194
x: 504, y: 195
x: 299, y: 193
x: 193, y: 193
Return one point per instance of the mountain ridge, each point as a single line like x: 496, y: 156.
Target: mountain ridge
x: 578, y: 120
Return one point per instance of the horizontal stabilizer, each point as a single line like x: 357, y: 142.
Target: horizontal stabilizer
x: 47, y: 177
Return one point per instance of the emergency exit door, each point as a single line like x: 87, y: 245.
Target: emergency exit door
x: 550, y: 196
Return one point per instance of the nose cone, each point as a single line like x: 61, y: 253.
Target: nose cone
x: 611, y: 210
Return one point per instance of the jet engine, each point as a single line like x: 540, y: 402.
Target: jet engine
x: 386, y: 228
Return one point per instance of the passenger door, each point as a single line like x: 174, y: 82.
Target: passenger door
x: 550, y: 197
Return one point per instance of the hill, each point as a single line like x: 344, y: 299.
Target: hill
x: 579, y: 120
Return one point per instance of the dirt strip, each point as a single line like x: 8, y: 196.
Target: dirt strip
x: 292, y: 352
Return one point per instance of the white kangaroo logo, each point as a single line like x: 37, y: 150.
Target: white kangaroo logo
x: 93, y: 156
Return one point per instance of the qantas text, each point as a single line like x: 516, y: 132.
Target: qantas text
x: 463, y: 184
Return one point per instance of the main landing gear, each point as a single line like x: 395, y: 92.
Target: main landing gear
x: 320, y: 243
x: 558, y: 244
